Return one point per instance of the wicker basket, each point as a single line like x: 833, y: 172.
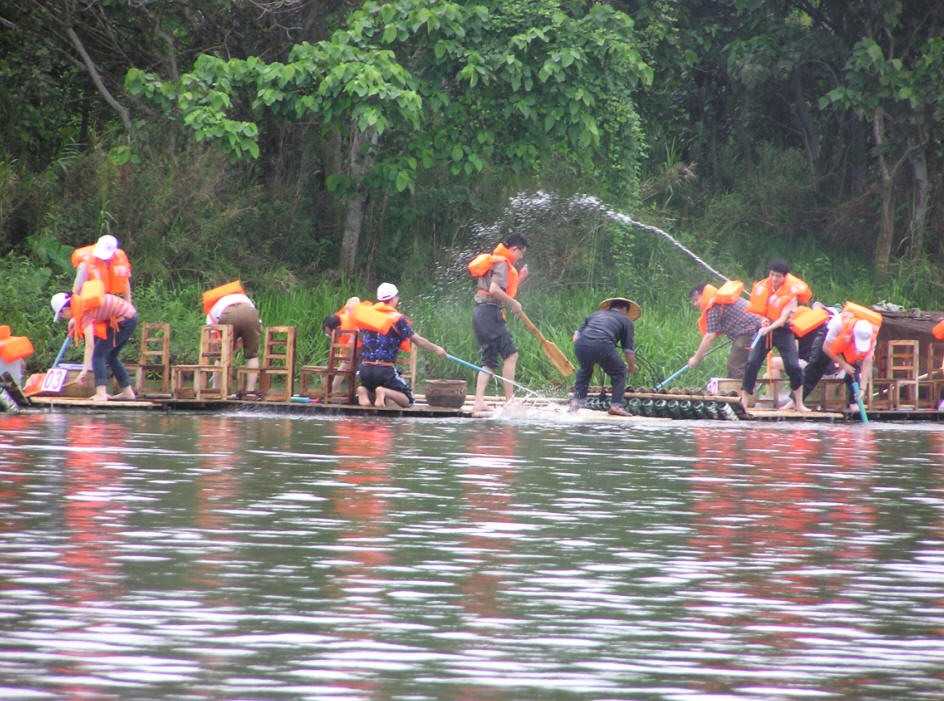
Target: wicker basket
x: 446, y: 393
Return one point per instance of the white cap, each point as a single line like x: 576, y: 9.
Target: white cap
x: 387, y: 291
x: 862, y: 333
x: 106, y: 247
x: 58, y: 302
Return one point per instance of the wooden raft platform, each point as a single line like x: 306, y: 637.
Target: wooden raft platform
x: 423, y: 410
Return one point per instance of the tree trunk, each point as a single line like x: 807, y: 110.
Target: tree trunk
x: 360, y: 162
x: 922, y: 200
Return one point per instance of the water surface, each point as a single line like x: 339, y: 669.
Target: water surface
x: 176, y: 556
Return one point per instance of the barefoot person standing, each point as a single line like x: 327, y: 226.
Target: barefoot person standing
x: 105, y: 322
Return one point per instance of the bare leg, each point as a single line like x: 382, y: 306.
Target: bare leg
x: 481, y: 382
x: 253, y: 377
x: 385, y: 395
x: 101, y: 394
x: 126, y: 393
x: 746, y: 400
x: 508, y: 372
x: 798, y: 399
x: 363, y: 396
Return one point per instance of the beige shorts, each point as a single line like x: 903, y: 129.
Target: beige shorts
x: 246, y: 325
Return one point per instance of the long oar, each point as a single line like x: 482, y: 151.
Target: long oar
x: 554, y: 354
x: 685, y: 367
x: 489, y: 372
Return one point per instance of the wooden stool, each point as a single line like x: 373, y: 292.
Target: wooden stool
x: 211, y: 377
x: 154, y: 363
x: 277, y: 368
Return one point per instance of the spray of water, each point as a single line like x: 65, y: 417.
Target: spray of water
x: 592, y: 202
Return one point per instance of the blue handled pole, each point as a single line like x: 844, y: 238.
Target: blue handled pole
x: 685, y: 367
x: 489, y: 372
x: 756, y: 339
x: 62, y: 351
x: 858, y: 395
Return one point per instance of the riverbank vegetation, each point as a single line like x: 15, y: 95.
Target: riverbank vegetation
x: 314, y: 149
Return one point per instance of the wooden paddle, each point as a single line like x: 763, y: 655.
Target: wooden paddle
x: 554, y: 354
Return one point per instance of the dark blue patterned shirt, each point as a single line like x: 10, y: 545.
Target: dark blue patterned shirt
x: 382, y: 348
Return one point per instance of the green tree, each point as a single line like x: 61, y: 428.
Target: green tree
x: 412, y: 86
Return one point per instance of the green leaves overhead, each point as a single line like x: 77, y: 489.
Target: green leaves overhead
x: 467, y: 86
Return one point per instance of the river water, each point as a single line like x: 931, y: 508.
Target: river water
x: 230, y: 557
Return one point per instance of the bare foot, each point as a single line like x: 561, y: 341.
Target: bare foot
x: 363, y: 396
x: 803, y: 408
x: 381, y: 401
x: 787, y: 406
x: 97, y: 397
x: 127, y: 394
x: 480, y: 408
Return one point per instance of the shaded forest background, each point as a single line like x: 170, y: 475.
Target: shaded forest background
x: 327, y: 145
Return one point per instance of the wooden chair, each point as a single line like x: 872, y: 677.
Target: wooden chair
x: 154, y: 363
x: 896, y: 387
x: 931, y: 379
x: 343, y: 361
x: 211, y: 377
x: 276, y: 371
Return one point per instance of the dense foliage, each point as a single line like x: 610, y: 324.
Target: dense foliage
x: 313, y: 147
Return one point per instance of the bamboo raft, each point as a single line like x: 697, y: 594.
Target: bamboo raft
x: 671, y: 405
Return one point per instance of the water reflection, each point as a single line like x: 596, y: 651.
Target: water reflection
x: 236, y: 557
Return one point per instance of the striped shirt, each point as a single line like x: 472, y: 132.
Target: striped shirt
x: 112, y: 307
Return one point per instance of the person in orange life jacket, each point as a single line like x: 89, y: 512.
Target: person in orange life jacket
x: 342, y: 319
x: 379, y: 379
x: 850, y: 345
x: 495, y: 290
x: 595, y: 344
x: 806, y: 346
x: 103, y: 261
x: 102, y: 346
x: 238, y: 311
x: 730, y: 318
x: 776, y: 298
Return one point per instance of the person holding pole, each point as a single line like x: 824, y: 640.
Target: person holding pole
x: 497, y: 281
x: 724, y: 311
x: 385, y: 331
x: 849, y: 343
x: 775, y: 298
x: 595, y: 344
x: 105, y: 322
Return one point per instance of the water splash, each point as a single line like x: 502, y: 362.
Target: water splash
x: 529, y: 212
x: 610, y: 213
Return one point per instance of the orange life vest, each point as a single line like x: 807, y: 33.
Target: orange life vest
x: 90, y: 297
x: 114, y: 272
x: 805, y: 320
x: 767, y: 302
x: 844, y: 343
x: 483, y: 263
x: 379, y: 317
x: 13, y: 348
x: 211, y: 297
x: 348, y: 323
x: 728, y: 293
x: 938, y: 330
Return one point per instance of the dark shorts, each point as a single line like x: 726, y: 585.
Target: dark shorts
x: 492, y: 334
x: 246, y: 325
x: 387, y: 376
